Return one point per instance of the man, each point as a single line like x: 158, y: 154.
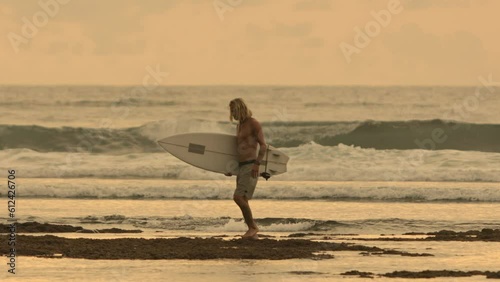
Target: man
x: 248, y: 135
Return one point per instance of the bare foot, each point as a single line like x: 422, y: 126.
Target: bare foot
x: 254, y: 237
x: 252, y: 232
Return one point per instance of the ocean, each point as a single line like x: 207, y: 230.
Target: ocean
x: 363, y: 160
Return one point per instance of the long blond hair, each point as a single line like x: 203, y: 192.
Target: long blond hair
x: 242, y: 112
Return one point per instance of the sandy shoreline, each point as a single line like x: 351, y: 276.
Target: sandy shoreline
x: 218, y: 247
x: 426, y: 274
x: 35, y: 227
x: 183, y: 248
x: 487, y: 235
x: 224, y: 247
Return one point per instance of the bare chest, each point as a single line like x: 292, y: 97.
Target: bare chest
x: 245, y: 134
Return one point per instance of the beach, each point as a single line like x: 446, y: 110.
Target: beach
x: 360, y: 198
x: 127, y: 129
x: 174, y: 247
x: 319, y: 248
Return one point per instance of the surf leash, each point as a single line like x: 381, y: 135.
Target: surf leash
x: 266, y: 174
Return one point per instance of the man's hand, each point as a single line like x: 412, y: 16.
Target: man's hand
x: 228, y: 174
x: 255, y: 171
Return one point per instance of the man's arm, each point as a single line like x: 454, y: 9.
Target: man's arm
x: 259, y: 134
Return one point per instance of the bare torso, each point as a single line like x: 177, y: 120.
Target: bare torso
x: 247, y: 139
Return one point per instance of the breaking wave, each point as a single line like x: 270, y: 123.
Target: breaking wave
x: 380, y: 135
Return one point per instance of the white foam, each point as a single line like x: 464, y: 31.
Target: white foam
x: 210, y: 189
x: 287, y: 227
x: 310, y: 162
x: 348, y: 163
x: 232, y: 226
x: 240, y: 226
x: 163, y: 128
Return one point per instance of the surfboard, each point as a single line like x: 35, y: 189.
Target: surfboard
x: 218, y: 152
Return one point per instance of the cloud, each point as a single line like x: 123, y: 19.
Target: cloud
x: 115, y: 25
x: 427, y: 4
x: 413, y: 42
x: 313, y: 42
x: 6, y: 10
x: 455, y: 56
x: 292, y: 30
x: 290, y: 36
x: 311, y: 5
x: 260, y: 41
x: 60, y: 39
x: 279, y: 29
x: 251, y: 2
x: 78, y: 10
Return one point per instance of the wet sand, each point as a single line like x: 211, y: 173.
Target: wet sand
x: 186, y: 248
x: 487, y: 235
x: 35, y: 227
x: 484, y: 235
x: 425, y: 274
x: 224, y: 247
x: 218, y: 247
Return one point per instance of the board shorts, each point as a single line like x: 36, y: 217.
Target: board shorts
x: 245, y: 183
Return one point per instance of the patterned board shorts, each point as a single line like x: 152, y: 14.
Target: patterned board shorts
x: 245, y: 183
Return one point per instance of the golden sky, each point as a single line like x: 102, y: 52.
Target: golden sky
x: 293, y: 42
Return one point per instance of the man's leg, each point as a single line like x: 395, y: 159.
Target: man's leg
x: 242, y: 202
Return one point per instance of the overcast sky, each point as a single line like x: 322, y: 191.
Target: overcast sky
x: 294, y: 42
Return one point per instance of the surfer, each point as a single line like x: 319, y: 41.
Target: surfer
x: 248, y: 135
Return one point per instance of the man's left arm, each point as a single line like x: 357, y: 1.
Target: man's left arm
x: 259, y: 134
x: 260, y: 139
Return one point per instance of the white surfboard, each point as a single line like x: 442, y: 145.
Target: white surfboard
x: 217, y: 152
